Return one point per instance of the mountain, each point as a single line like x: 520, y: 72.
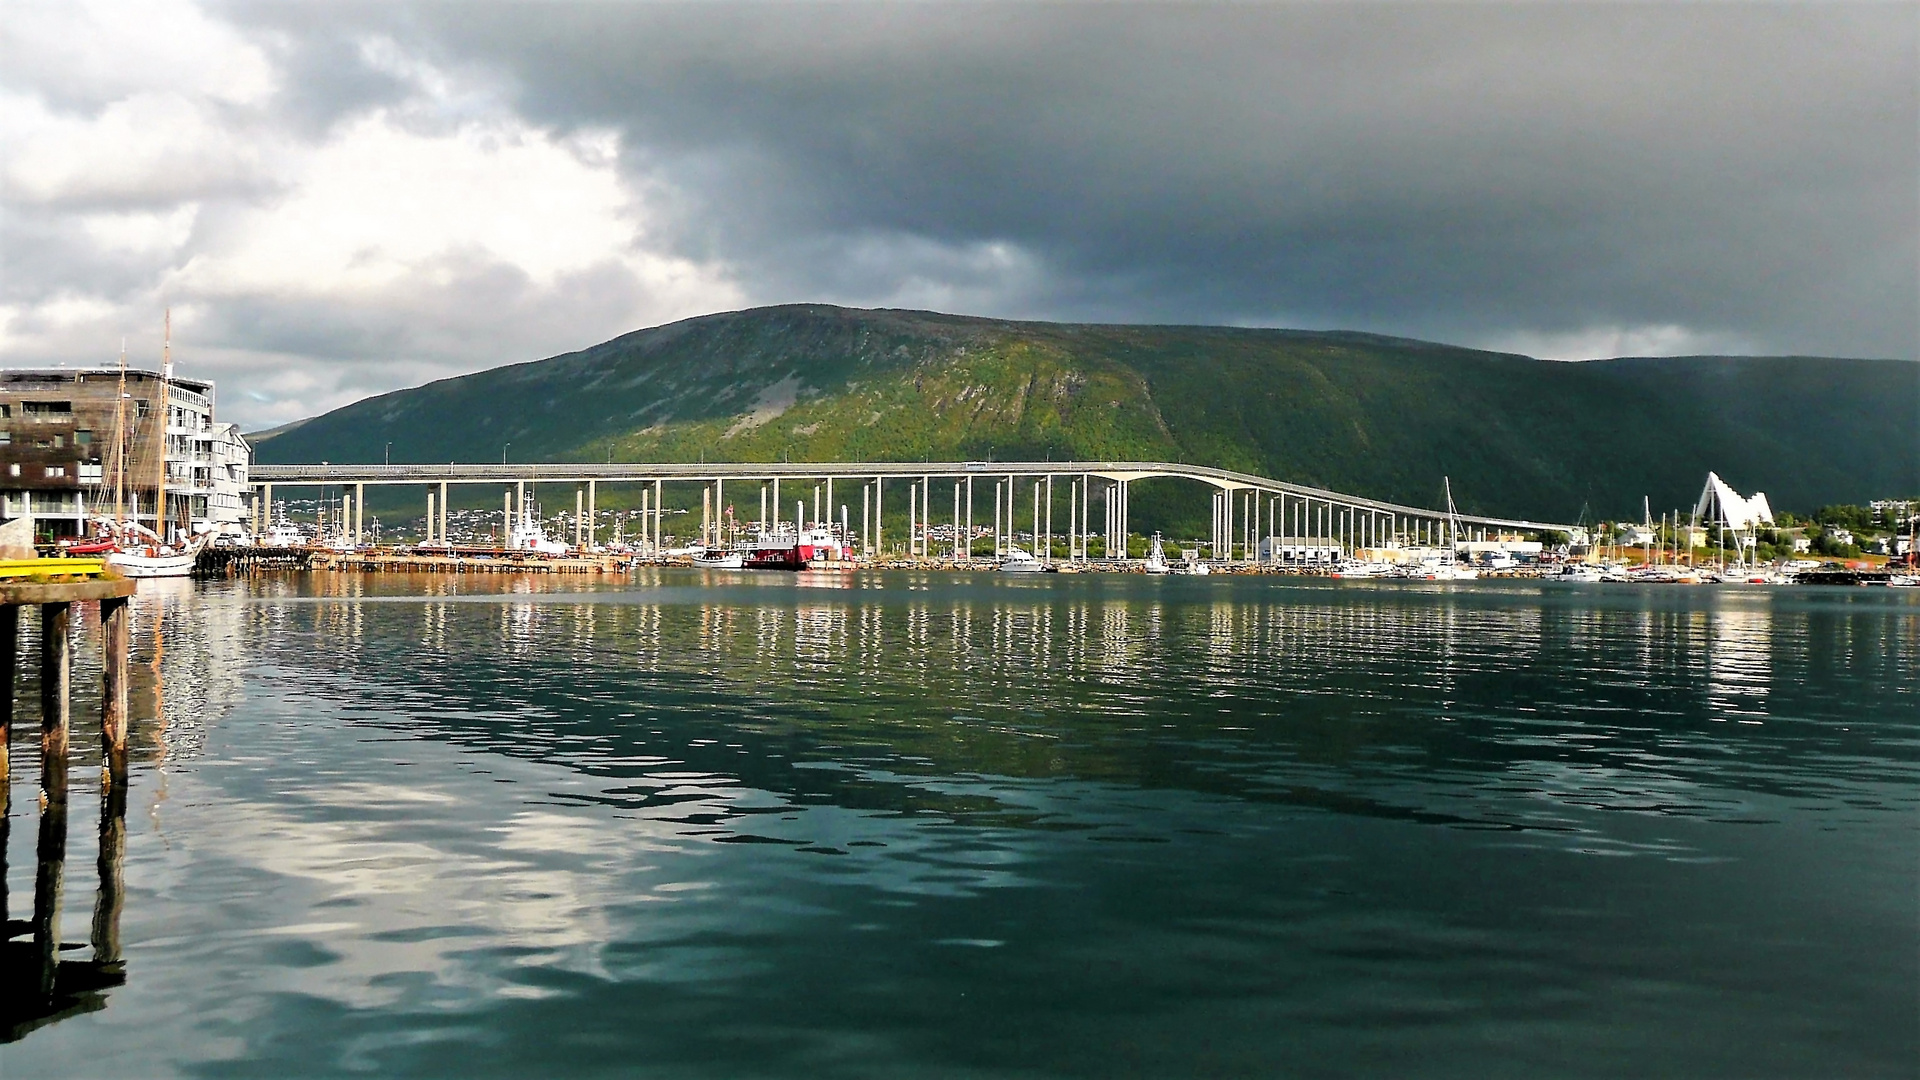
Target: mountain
x: 1360, y: 413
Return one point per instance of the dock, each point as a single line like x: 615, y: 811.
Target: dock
x: 39, y: 985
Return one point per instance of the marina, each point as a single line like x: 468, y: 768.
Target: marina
x: 419, y: 824
x: 1322, y: 533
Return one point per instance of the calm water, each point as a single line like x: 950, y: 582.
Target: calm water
x: 897, y: 825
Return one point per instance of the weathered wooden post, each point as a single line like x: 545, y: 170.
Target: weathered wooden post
x: 112, y: 858
x: 50, y: 870
x: 56, y: 675
x: 114, y: 620
x: 9, y: 670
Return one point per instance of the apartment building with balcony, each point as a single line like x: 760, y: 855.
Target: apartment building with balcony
x: 72, y: 446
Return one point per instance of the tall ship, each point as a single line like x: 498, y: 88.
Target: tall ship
x: 169, y: 548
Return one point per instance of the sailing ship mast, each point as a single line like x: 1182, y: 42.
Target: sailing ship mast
x: 1646, y: 522
x: 160, y: 473
x: 1453, y: 529
x: 120, y: 445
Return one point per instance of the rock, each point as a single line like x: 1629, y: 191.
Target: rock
x: 16, y: 539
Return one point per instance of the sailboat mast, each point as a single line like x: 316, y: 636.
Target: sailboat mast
x: 120, y: 443
x: 160, y: 472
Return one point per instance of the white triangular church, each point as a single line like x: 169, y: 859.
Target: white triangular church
x: 1721, y: 505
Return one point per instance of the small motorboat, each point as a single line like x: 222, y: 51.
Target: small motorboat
x: 720, y: 560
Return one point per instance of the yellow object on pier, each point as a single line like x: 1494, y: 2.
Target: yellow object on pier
x: 45, y: 568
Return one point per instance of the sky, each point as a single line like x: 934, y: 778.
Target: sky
x: 340, y: 200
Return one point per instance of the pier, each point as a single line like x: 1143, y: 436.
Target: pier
x: 39, y: 985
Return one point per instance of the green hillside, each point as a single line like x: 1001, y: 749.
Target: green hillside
x: 1371, y: 415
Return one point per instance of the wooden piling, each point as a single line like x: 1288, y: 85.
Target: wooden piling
x: 109, y: 864
x: 56, y: 676
x: 115, y: 632
x: 50, y: 871
x: 9, y: 670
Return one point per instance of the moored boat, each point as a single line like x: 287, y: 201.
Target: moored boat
x: 155, y: 560
x: 810, y: 550
x: 1017, y: 561
x: 1359, y: 568
x: 1156, y: 561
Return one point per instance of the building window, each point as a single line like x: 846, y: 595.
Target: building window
x: 13, y: 469
x: 48, y: 408
x: 83, y: 438
x: 6, y: 438
x: 59, y: 442
x: 6, y: 410
x: 54, y: 472
x: 142, y: 408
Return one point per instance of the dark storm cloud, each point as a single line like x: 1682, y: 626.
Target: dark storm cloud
x: 1744, y: 174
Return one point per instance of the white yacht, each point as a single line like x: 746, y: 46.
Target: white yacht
x: 1017, y: 561
x: 1359, y: 568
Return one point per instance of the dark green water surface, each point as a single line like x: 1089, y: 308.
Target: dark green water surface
x: 920, y: 825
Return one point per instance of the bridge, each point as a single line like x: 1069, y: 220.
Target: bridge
x: 1247, y: 509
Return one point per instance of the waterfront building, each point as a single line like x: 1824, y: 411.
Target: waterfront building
x: 60, y: 461
x: 1290, y: 550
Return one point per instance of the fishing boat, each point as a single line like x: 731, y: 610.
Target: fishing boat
x: 527, y: 535
x: 720, y: 560
x: 1156, y: 561
x: 1192, y: 567
x: 810, y: 550
x: 773, y: 557
x: 284, y: 535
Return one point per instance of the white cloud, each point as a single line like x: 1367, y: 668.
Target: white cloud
x: 149, y: 148
x: 142, y: 231
x: 407, y: 241
x: 98, y: 51
x: 378, y: 204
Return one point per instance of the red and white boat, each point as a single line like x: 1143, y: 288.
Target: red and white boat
x: 815, y: 549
